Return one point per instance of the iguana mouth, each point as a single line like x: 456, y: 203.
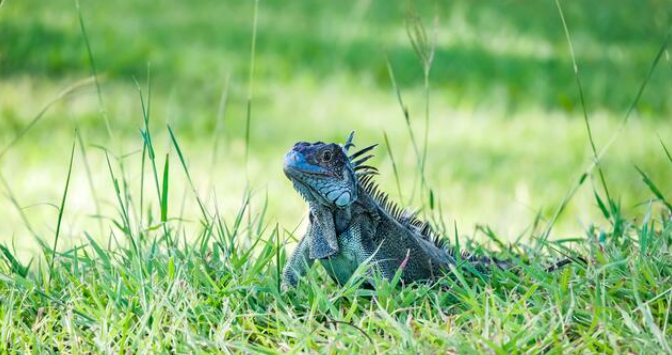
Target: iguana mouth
x: 292, y: 169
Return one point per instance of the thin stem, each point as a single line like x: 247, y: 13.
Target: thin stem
x: 62, y: 208
x: 250, y: 87
x: 583, y: 103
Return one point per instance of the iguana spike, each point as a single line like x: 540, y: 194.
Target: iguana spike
x: 360, y: 161
x: 362, y: 151
x: 365, y: 167
x: 362, y: 173
x: 405, y: 217
x: 348, y: 143
x: 365, y: 180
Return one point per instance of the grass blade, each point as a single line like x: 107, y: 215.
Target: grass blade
x: 248, y: 116
x: 89, y: 178
x: 572, y: 191
x: 654, y: 189
x: 22, y: 214
x: 186, y: 171
x: 101, y: 253
x: 667, y: 152
x: 94, y: 71
x: 15, y: 264
x: 394, y: 166
x: 62, y: 208
x: 589, y: 130
x: 409, y: 128
x: 164, y: 194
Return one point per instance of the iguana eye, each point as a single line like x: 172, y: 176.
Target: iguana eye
x: 327, y: 155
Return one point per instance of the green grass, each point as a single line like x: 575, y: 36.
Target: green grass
x: 146, y: 290
x: 160, y: 224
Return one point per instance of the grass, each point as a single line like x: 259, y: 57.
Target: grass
x: 219, y: 293
x: 190, y: 268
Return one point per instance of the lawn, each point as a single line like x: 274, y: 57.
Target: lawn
x: 107, y: 250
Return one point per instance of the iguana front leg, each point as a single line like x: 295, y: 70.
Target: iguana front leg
x: 357, y: 251
x: 299, y: 263
x: 368, y: 253
x: 319, y: 243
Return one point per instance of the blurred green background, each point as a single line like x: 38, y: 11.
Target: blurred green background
x: 507, y: 137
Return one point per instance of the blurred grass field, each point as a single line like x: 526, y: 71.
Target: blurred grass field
x: 507, y: 136
x: 132, y: 260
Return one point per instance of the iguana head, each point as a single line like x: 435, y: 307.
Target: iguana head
x: 324, y: 173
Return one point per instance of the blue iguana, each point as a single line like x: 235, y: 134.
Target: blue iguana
x: 352, y: 222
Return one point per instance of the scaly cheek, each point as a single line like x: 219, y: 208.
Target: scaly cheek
x: 333, y: 194
x: 319, y: 184
x: 343, y: 199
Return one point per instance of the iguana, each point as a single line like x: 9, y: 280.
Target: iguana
x: 353, y: 222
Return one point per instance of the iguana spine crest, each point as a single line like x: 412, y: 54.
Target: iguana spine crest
x: 402, y: 215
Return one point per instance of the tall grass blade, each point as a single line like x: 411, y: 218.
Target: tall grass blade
x: 89, y: 179
x: 654, y: 189
x: 147, y: 137
x: 15, y: 265
x: 19, y: 209
x: 123, y: 210
x: 577, y: 78
x: 164, y: 194
x: 61, y: 210
x: 572, y: 191
x: 146, y: 134
x: 142, y: 184
x: 394, y: 166
x: 250, y: 83
x: 409, y: 128
x: 94, y: 70
x: 601, y: 205
x: 104, y: 256
x: 186, y: 172
x: 425, y: 50
x: 219, y: 128
x: 667, y: 152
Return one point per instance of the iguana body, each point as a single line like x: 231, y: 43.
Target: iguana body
x: 352, y: 223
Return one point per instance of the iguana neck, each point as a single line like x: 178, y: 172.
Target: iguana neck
x: 341, y: 216
x: 364, y: 201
